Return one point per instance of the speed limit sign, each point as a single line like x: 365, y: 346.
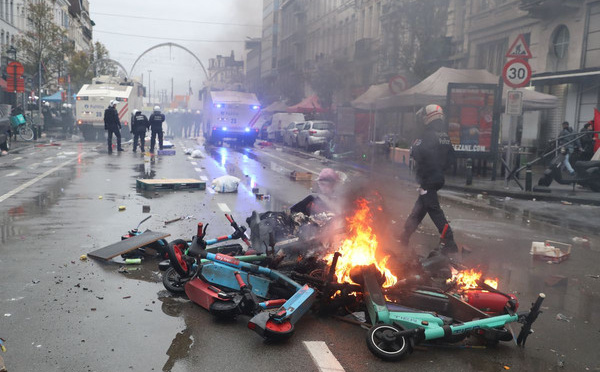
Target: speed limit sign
x: 516, y: 73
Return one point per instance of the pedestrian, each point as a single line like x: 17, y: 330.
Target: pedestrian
x: 113, y: 125
x: 139, y: 126
x: 567, y: 139
x: 156, y: 120
x: 197, y: 123
x: 587, y: 141
x: 433, y: 154
x: 68, y: 119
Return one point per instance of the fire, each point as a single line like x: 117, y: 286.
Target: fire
x: 468, y: 279
x: 360, y: 248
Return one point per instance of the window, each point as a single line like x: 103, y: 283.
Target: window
x: 560, y: 41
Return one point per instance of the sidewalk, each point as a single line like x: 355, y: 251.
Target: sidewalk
x: 485, y: 186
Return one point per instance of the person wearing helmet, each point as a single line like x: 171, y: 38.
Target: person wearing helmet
x: 67, y: 118
x: 188, y: 123
x: 156, y: 120
x: 113, y: 125
x: 433, y: 154
x: 139, y: 126
x: 197, y: 123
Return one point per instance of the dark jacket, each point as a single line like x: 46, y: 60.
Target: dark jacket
x: 111, y: 119
x: 567, y: 135
x: 156, y: 121
x: 140, y: 124
x: 433, y: 154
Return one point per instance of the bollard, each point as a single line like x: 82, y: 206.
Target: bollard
x: 469, y: 171
x: 528, y: 178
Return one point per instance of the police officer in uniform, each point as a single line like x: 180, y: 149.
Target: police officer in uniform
x: 139, y: 125
x: 113, y: 125
x: 433, y: 154
x: 156, y: 120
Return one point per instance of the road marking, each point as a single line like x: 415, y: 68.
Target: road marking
x: 210, y: 190
x: 223, y: 207
x: 17, y: 158
x: 13, y: 174
x: 198, y: 170
x: 203, y: 178
x: 289, y: 162
x: 193, y: 163
x: 34, y: 165
x: 323, y: 357
x: 38, y: 178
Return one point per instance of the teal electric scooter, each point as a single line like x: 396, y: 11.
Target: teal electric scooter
x: 397, y: 329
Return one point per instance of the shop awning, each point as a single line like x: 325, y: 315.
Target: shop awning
x: 563, y: 77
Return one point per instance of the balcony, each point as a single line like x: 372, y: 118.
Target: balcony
x: 549, y: 8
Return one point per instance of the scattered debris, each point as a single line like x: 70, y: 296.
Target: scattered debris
x: 187, y: 151
x: 126, y: 297
x: 83, y: 257
x: 301, y: 176
x: 197, y: 154
x: 133, y: 261
x: 35, y: 281
x: 100, y: 197
x: 165, y: 152
x: 506, y: 367
x: 121, y: 208
x: 148, y: 310
x: 564, y: 202
x: 93, y: 309
x: 550, y: 251
x: 583, y: 241
x: 593, y: 276
x: 123, y: 270
x: 563, y: 317
x: 225, y: 183
x: 145, y: 209
x: 255, y: 190
x: 178, y: 219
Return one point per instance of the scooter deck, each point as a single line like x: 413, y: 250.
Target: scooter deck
x: 127, y: 245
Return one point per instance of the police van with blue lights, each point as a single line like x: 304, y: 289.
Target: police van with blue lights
x: 230, y: 115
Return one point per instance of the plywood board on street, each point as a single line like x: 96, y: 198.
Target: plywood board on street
x: 127, y: 245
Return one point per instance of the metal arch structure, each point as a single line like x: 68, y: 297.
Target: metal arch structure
x: 107, y: 60
x: 170, y: 44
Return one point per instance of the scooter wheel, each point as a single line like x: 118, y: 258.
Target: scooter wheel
x: 176, y: 250
x: 382, y: 342
x: 172, y: 281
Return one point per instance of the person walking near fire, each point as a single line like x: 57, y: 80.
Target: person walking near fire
x: 433, y: 154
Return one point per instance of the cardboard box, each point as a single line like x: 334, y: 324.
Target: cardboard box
x: 301, y: 176
x: 550, y: 250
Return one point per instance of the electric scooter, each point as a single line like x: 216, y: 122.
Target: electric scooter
x: 396, y: 328
x: 158, y: 246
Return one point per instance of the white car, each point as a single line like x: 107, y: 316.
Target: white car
x: 290, y: 134
x: 316, y: 133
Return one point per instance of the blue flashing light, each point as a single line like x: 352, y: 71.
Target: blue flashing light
x: 247, y: 129
x: 218, y: 105
x: 224, y: 128
x: 255, y: 107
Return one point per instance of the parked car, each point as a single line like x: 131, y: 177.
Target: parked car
x: 290, y: 134
x: 280, y: 121
x: 263, y: 133
x: 4, y: 135
x: 316, y: 133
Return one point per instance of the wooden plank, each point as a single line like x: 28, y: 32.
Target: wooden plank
x: 169, y: 181
x: 127, y: 245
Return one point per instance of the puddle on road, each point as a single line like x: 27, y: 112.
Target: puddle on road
x: 11, y: 220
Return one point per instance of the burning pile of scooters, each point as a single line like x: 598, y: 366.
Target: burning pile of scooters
x: 440, y: 301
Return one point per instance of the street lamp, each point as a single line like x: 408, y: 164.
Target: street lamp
x: 149, y: 91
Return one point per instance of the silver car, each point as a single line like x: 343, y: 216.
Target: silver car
x: 316, y: 133
x: 290, y: 134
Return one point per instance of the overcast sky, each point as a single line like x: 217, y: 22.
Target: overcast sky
x: 206, y: 27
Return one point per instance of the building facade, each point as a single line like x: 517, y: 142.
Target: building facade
x: 564, y: 39
x: 225, y: 73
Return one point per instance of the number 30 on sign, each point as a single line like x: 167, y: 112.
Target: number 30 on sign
x: 516, y: 73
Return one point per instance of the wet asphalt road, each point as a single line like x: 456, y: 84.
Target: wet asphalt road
x: 60, y: 313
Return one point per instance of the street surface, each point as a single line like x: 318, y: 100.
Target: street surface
x: 59, y: 313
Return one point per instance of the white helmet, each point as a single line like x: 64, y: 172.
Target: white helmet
x: 430, y: 113
x: 156, y: 108
x: 113, y: 102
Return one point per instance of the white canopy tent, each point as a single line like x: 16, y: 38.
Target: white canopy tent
x: 435, y: 88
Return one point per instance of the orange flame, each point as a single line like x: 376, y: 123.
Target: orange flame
x: 468, y: 279
x: 360, y: 248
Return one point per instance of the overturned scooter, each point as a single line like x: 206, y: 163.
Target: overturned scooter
x: 397, y: 329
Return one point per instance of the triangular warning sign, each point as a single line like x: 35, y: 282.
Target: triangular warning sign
x: 519, y: 49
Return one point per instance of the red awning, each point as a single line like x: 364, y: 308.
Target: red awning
x: 307, y: 105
